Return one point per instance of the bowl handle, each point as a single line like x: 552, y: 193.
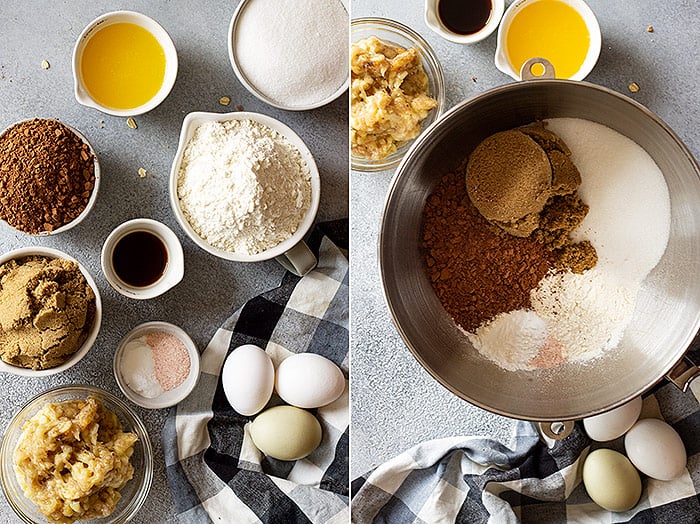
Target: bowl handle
x: 554, y: 430
x: 299, y: 260
x: 537, y: 69
x: 686, y: 376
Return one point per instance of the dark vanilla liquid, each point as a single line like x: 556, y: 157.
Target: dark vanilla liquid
x: 139, y: 258
x: 464, y: 17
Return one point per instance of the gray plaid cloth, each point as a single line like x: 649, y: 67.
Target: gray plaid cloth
x: 214, y: 471
x: 477, y: 480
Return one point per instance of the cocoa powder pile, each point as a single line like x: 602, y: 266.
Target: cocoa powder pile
x: 47, y: 174
x: 476, y: 270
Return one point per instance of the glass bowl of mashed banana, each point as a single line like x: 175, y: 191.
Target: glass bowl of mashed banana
x: 396, y: 91
x: 76, y: 454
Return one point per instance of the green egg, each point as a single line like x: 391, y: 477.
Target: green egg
x: 286, y: 432
x: 611, y: 480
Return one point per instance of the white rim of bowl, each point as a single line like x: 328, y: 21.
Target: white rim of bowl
x: 96, y: 324
x: 81, y: 93
x: 252, y: 89
x: 429, y: 56
x: 194, y: 120
x: 582, y: 8
x: 93, y: 196
x: 173, y: 396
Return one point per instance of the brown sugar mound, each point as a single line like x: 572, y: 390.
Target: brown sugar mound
x: 46, y: 311
x: 524, y: 182
x: 509, y: 178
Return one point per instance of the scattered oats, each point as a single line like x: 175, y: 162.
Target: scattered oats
x: 45, y: 64
x: 142, y: 172
x: 239, y: 107
x: 224, y: 100
x: 650, y: 29
x: 131, y: 123
x: 633, y: 87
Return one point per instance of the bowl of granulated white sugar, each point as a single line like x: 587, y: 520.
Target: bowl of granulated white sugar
x: 245, y: 187
x: 290, y: 54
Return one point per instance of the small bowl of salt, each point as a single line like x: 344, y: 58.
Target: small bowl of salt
x: 292, y: 55
x: 156, y: 365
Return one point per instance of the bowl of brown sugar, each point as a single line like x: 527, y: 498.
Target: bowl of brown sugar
x: 50, y: 311
x: 49, y: 176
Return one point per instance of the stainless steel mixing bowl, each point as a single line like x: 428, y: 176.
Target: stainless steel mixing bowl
x: 667, y: 314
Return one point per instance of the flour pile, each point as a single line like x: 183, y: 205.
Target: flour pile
x: 242, y: 186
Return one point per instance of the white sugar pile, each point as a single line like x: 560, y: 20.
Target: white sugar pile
x: 294, y: 52
x: 629, y: 220
x: 628, y: 223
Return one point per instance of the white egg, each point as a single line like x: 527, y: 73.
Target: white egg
x: 248, y: 378
x: 656, y: 449
x: 307, y: 380
x: 613, y: 423
x: 611, y: 480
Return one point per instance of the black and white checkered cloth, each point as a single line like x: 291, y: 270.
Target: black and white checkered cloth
x: 477, y: 480
x: 214, y: 471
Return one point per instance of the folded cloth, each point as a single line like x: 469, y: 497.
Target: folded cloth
x: 214, y: 471
x: 474, y: 480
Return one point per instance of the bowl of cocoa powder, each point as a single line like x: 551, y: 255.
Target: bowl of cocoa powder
x: 49, y: 176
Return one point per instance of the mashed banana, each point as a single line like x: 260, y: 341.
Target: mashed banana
x: 72, y: 459
x: 389, y: 97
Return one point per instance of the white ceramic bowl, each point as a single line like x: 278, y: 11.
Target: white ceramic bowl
x: 503, y: 63
x: 194, y: 120
x: 93, y: 196
x: 94, y: 330
x: 169, y: 398
x: 432, y: 20
x: 257, y: 91
x: 174, y: 268
x: 81, y: 93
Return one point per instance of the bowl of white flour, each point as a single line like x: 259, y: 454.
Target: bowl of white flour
x: 245, y: 187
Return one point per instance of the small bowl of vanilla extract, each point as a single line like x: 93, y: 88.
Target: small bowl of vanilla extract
x: 463, y: 21
x: 142, y: 258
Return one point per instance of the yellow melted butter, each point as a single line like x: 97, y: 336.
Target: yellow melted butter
x: 548, y: 29
x: 122, y: 66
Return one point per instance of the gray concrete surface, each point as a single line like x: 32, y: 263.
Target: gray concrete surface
x: 395, y: 403
x: 212, y: 288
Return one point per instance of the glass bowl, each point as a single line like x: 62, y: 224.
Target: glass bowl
x: 135, y: 491
x: 393, y: 32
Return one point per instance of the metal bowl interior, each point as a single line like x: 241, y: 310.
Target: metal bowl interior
x: 667, y: 313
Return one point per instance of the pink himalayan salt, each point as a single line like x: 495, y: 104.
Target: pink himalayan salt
x: 549, y: 355
x: 172, y: 363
